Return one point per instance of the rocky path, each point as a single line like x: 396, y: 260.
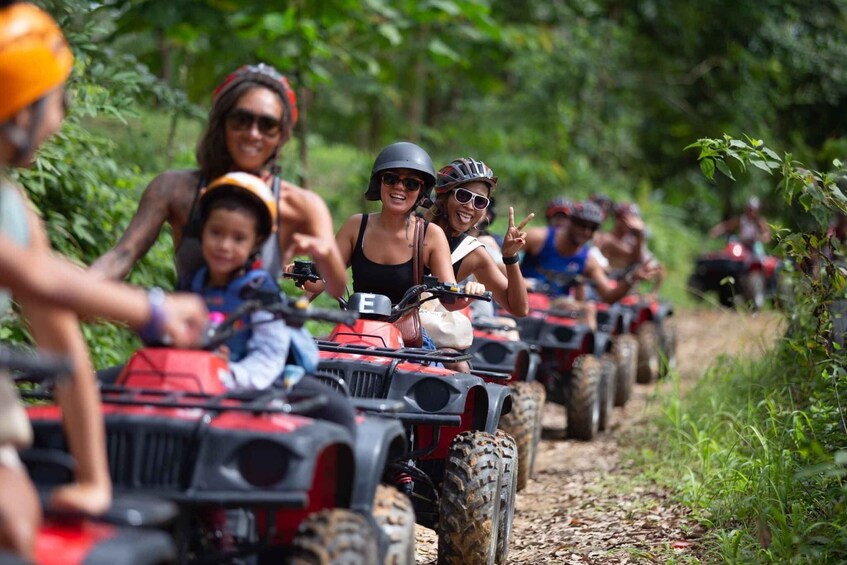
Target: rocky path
x: 581, y: 507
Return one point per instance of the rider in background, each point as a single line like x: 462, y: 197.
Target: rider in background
x: 625, y: 245
x: 252, y: 116
x: 562, y: 258
x: 35, y: 61
x: 751, y: 228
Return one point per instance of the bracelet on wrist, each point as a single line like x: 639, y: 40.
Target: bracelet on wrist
x: 154, y: 329
x: 629, y: 278
x: 511, y: 260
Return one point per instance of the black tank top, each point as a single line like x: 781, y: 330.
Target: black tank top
x: 189, y: 255
x: 391, y: 280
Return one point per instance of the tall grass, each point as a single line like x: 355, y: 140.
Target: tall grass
x: 754, y: 450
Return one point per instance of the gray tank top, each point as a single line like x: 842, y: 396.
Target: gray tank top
x: 13, y: 224
x: 189, y: 255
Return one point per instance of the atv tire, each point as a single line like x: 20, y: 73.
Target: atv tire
x: 625, y: 350
x: 540, y: 394
x: 583, y: 400
x: 668, y: 348
x: 753, y: 290
x: 395, y: 516
x: 608, y: 380
x: 469, y: 506
x: 334, y: 537
x: 648, y: 352
x: 696, y: 287
x: 508, y: 494
x: 520, y: 423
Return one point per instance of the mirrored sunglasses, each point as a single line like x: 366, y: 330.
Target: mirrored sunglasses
x: 409, y: 183
x: 463, y: 196
x: 243, y: 120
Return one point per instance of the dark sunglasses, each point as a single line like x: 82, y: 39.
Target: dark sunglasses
x: 584, y: 225
x: 463, y: 196
x: 409, y: 183
x: 243, y: 120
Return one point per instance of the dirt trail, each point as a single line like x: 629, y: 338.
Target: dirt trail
x: 580, y: 507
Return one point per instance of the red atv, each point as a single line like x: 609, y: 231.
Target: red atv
x: 460, y: 469
x: 254, y: 477
x: 650, y: 324
x: 498, y: 350
x: 570, y: 371
x: 737, y: 274
x: 122, y: 535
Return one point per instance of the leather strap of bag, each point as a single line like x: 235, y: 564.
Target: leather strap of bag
x: 417, y: 257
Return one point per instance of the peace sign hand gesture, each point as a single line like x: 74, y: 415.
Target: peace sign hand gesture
x: 515, y: 237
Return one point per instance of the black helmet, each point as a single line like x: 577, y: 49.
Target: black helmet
x: 402, y: 155
x: 464, y: 170
x: 587, y: 212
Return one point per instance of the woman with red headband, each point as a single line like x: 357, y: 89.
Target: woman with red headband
x: 252, y: 116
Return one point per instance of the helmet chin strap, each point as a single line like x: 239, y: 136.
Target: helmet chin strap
x: 23, y: 140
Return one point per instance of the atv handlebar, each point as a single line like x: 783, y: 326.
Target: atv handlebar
x: 304, y: 271
x: 34, y: 366
x: 446, y: 292
x: 294, y: 313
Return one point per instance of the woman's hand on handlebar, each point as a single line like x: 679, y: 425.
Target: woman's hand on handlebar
x: 471, y: 287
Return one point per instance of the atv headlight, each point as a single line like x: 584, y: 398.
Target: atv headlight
x: 431, y: 394
x: 494, y: 353
x: 262, y: 463
x: 563, y: 334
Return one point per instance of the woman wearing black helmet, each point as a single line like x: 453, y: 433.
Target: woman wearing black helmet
x: 379, y: 247
x: 463, y: 192
x: 252, y: 115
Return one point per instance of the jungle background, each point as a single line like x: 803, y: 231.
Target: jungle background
x: 559, y: 97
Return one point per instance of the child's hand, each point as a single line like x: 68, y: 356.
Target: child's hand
x: 223, y: 352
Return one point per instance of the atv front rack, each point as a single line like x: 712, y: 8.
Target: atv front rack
x: 406, y: 354
x: 270, y: 402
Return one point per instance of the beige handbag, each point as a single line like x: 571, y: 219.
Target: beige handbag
x: 446, y: 329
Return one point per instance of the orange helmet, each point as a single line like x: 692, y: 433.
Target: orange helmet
x: 34, y: 57
x: 245, y: 185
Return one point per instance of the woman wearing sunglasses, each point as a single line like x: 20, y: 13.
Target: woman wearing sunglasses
x: 379, y: 247
x: 252, y: 116
x: 463, y: 192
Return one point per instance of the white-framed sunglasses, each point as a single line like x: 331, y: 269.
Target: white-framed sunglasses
x: 463, y: 196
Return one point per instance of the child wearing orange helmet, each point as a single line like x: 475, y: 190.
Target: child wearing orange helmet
x: 35, y: 61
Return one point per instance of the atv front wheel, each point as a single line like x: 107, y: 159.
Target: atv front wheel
x: 648, y: 352
x: 469, y: 509
x: 539, y: 393
x: 508, y: 492
x: 625, y: 350
x: 668, y: 348
x: 395, y: 516
x: 753, y: 290
x: 334, y: 537
x: 583, y: 401
x: 520, y: 423
x: 608, y: 379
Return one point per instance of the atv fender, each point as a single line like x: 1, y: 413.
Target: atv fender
x: 499, y: 403
x: 378, y: 441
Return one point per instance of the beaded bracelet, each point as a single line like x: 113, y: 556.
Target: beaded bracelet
x: 153, y: 330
